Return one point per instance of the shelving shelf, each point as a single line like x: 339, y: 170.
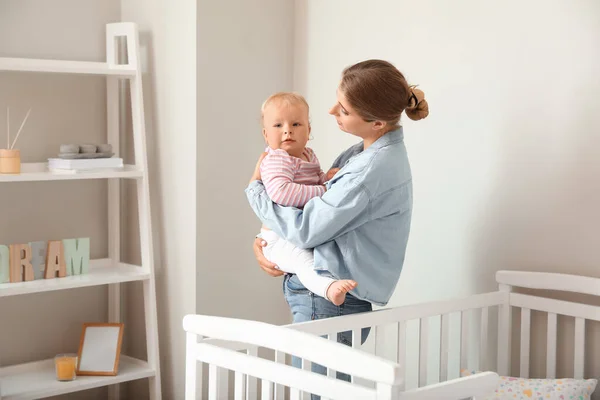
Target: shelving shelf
x: 66, y: 67
x: 31, y: 172
x: 37, y: 379
x: 101, y: 272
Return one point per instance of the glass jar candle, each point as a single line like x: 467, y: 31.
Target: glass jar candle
x: 66, y: 365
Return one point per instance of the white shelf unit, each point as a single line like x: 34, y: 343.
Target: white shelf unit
x: 37, y: 379
x: 31, y: 172
x: 101, y: 272
x: 66, y: 67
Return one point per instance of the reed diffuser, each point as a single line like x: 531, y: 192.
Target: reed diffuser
x: 10, y: 158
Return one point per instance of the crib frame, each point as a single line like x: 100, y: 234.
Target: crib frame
x: 230, y: 344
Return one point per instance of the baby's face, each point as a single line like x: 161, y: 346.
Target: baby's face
x: 286, y: 126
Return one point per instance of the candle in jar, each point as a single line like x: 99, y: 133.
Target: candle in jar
x: 65, y: 366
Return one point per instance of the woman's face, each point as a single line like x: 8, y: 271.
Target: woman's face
x: 348, y: 119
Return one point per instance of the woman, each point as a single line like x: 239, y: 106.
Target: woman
x: 359, y: 228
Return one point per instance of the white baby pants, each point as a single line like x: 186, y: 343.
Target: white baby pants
x: 295, y: 260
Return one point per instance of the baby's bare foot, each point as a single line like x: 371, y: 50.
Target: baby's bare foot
x: 336, y: 293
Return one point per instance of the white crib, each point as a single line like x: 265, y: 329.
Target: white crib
x: 472, y: 333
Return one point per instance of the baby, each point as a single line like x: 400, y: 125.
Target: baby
x: 292, y: 175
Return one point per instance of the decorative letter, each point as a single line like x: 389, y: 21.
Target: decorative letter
x: 38, y: 259
x: 55, y: 260
x: 4, y: 264
x: 20, y: 263
x: 77, y: 255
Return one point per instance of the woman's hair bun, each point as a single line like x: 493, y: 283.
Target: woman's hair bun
x: 417, y: 108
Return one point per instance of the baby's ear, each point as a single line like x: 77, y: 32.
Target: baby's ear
x: 264, y: 133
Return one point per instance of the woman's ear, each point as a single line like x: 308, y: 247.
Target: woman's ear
x: 379, y: 125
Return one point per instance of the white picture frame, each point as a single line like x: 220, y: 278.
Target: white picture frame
x: 99, y: 349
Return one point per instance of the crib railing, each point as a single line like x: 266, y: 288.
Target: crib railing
x: 437, y: 358
x: 433, y: 342
x: 582, y: 314
x: 396, y: 325
x: 220, y: 358
x: 334, y: 355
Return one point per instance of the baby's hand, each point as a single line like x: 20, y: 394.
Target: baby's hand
x: 331, y: 173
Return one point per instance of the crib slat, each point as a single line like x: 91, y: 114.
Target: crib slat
x: 423, y: 350
x: 444, y: 339
x: 267, y: 390
x: 193, y: 368
x: 402, y: 351
x: 307, y: 366
x: 279, y: 389
x: 464, y: 339
x: 551, y: 347
x: 525, y: 338
x: 504, y: 330
x: 483, y: 339
x: 375, y: 333
x: 331, y: 372
x: 333, y: 338
x: 356, y: 338
x: 224, y: 383
x: 199, y: 375
x: 213, y: 382
x: 294, y: 394
x: 376, y: 337
x: 356, y: 343
x: 251, y: 381
x: 579, y: 348
x: 240, y: 386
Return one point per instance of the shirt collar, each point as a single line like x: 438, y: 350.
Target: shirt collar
x: 395, y: 136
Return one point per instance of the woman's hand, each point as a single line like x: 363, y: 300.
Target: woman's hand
x: 265, y: 264
x: 256, y: 174
x: 331, y: 173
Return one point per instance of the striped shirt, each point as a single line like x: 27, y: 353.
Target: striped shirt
x: 291, y: 181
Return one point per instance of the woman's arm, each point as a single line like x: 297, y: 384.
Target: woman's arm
x: 341, y: 209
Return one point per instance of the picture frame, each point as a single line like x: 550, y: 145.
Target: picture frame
x: 99, y: 349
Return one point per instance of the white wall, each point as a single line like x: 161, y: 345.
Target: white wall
x: 244, y: 54
x: 168, y: 35
x: 505, y: 168
x: 65, y: 109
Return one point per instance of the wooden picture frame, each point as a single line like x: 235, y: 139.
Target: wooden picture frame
x: 99, y: 349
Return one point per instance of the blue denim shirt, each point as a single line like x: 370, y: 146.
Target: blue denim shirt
x: 359, y: 228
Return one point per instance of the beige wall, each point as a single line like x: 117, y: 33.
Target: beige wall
x: 168, y: 38
x: 65, y: 109
x: 244, y: 55
x: 506, y: 167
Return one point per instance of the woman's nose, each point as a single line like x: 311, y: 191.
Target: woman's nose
x: 333, y: 110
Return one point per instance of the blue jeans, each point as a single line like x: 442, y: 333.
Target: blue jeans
x: 306, y: 306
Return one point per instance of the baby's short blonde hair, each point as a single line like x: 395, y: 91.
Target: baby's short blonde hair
x: 288, y: 98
